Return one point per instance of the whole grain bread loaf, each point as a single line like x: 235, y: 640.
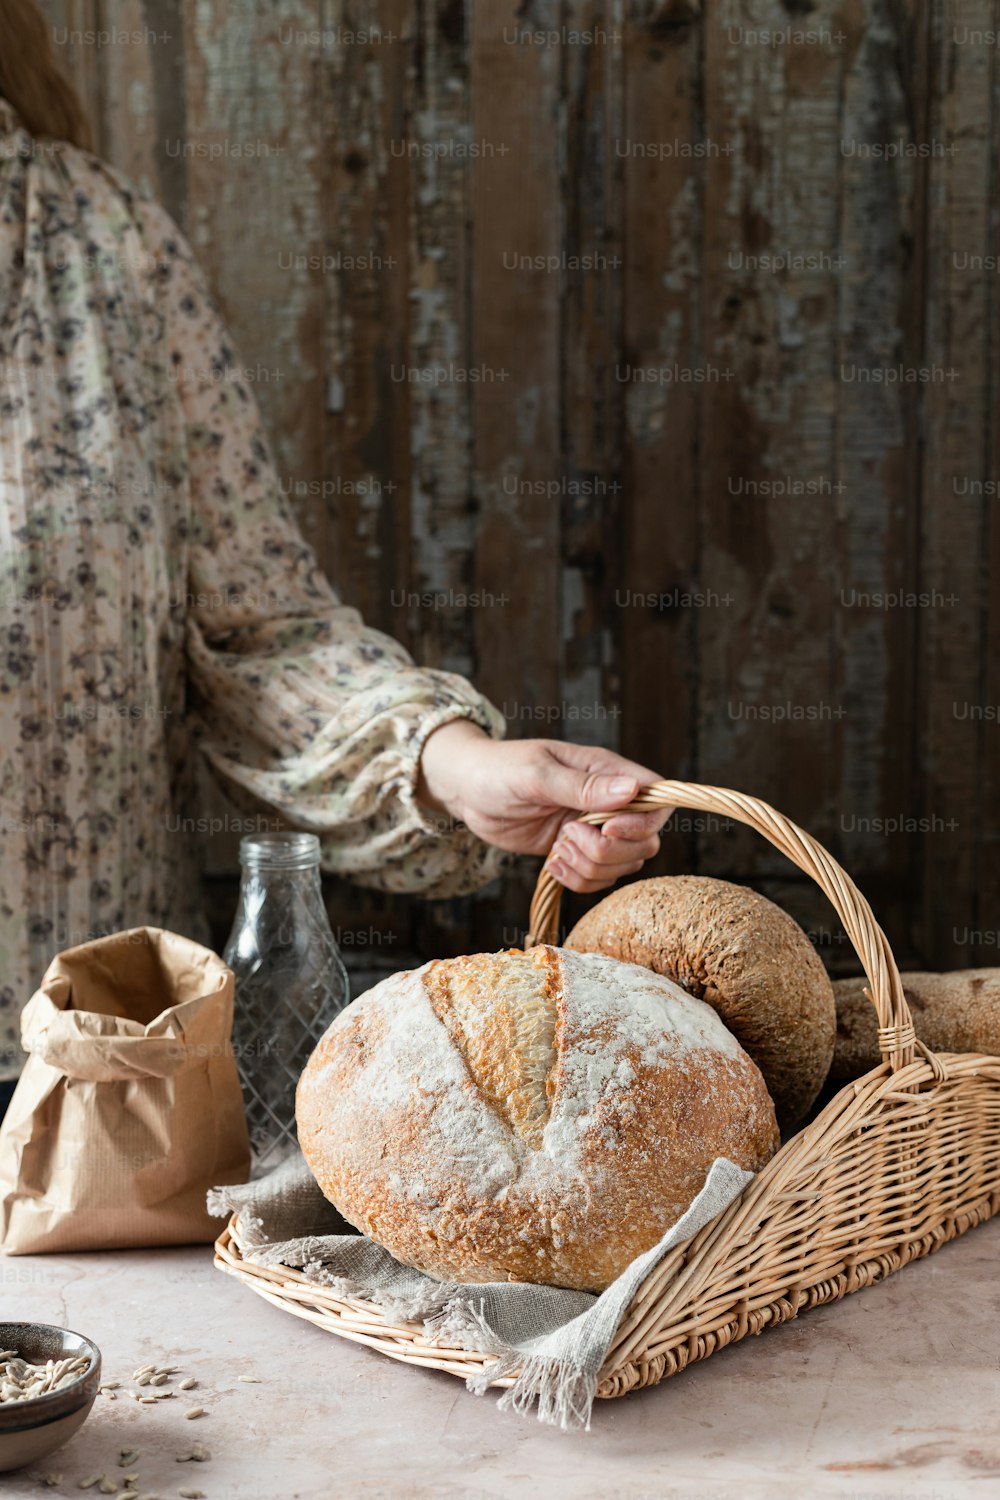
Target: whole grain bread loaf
x: 746, y: 957
x: 952, y: 1012
x: 541, y: 1116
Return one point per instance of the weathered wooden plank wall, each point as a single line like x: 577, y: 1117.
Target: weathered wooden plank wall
x: 718, y: 275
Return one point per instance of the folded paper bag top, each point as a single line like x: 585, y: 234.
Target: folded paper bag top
x: 139, y: 1008
x: 129, y: 1104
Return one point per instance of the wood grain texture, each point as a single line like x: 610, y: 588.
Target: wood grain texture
x: 662, y: 563
x: 957, y: 747
x: 685, y: 250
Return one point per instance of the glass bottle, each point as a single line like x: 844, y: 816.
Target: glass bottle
x: 290, y: 983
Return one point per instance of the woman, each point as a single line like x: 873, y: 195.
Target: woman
x: 159, y: 603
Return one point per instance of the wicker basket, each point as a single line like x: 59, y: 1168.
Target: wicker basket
x: 898, y: 1163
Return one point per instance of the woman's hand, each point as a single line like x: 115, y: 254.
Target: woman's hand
x: 526, y: 795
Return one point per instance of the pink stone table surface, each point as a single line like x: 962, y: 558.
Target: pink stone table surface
x: 893, y: 1393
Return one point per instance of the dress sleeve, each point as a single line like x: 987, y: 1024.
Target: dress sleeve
x: 302, y: 708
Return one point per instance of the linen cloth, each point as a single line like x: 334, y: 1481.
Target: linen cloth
x: 157, y: 601
x: 557, y: 1339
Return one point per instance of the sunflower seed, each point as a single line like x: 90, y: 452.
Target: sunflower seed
x: 160, y: 1378
x: 88, y: 1484
x: 250, y: 1379
x: 188, y: 1384
x: 22, y: 1381
x: 128, y: 1457
x: 143, y: 1370
x: 110, y: 1385
x: 196, y: 1411
x: 108, y: 1486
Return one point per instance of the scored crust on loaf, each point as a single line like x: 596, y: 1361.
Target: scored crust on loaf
x: 501, y: 1012
x: 526, y: 1117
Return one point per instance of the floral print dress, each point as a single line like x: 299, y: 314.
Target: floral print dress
x: 157, y: 602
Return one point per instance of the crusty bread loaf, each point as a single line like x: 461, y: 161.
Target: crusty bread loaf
x: 743, y: 955
x: 541, y: 1116
x: 952, y: 1012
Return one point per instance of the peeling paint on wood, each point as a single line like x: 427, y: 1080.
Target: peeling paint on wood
x: 601, y: 504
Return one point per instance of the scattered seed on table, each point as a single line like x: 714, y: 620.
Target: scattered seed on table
x: 128, y: 1457
x: 188, y: 1384
x: 88, y: 1484
x: 200, y: 1454
x: 108, y: 1486
x: 131, y: 1479
x: 250, y: 1379
x: 110, y: 1385
x: 196, y: 1411
x: 143, y: 1370
x: 160, y: 1378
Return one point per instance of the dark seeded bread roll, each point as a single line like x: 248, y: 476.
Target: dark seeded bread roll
x: 542, y: 1116
x: 742, y: 954
x: 956, y: 1012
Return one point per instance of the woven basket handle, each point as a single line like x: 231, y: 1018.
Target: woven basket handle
x: 896, y: 1035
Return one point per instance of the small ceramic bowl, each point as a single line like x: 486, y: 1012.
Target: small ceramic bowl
x: 31, y: 1429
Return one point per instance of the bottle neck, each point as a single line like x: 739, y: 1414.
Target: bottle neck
x: 281, y: 868
x: 267, y: 877
x: 280, y: 853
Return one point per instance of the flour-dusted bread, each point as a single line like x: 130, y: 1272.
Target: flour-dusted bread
x: 743, y: 955
x: 541, y: 1116
x: 958, y: 1011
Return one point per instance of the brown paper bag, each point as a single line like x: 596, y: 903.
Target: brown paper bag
x: 129, y: 1107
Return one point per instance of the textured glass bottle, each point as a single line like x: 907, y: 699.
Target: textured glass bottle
x: 290, y: 982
